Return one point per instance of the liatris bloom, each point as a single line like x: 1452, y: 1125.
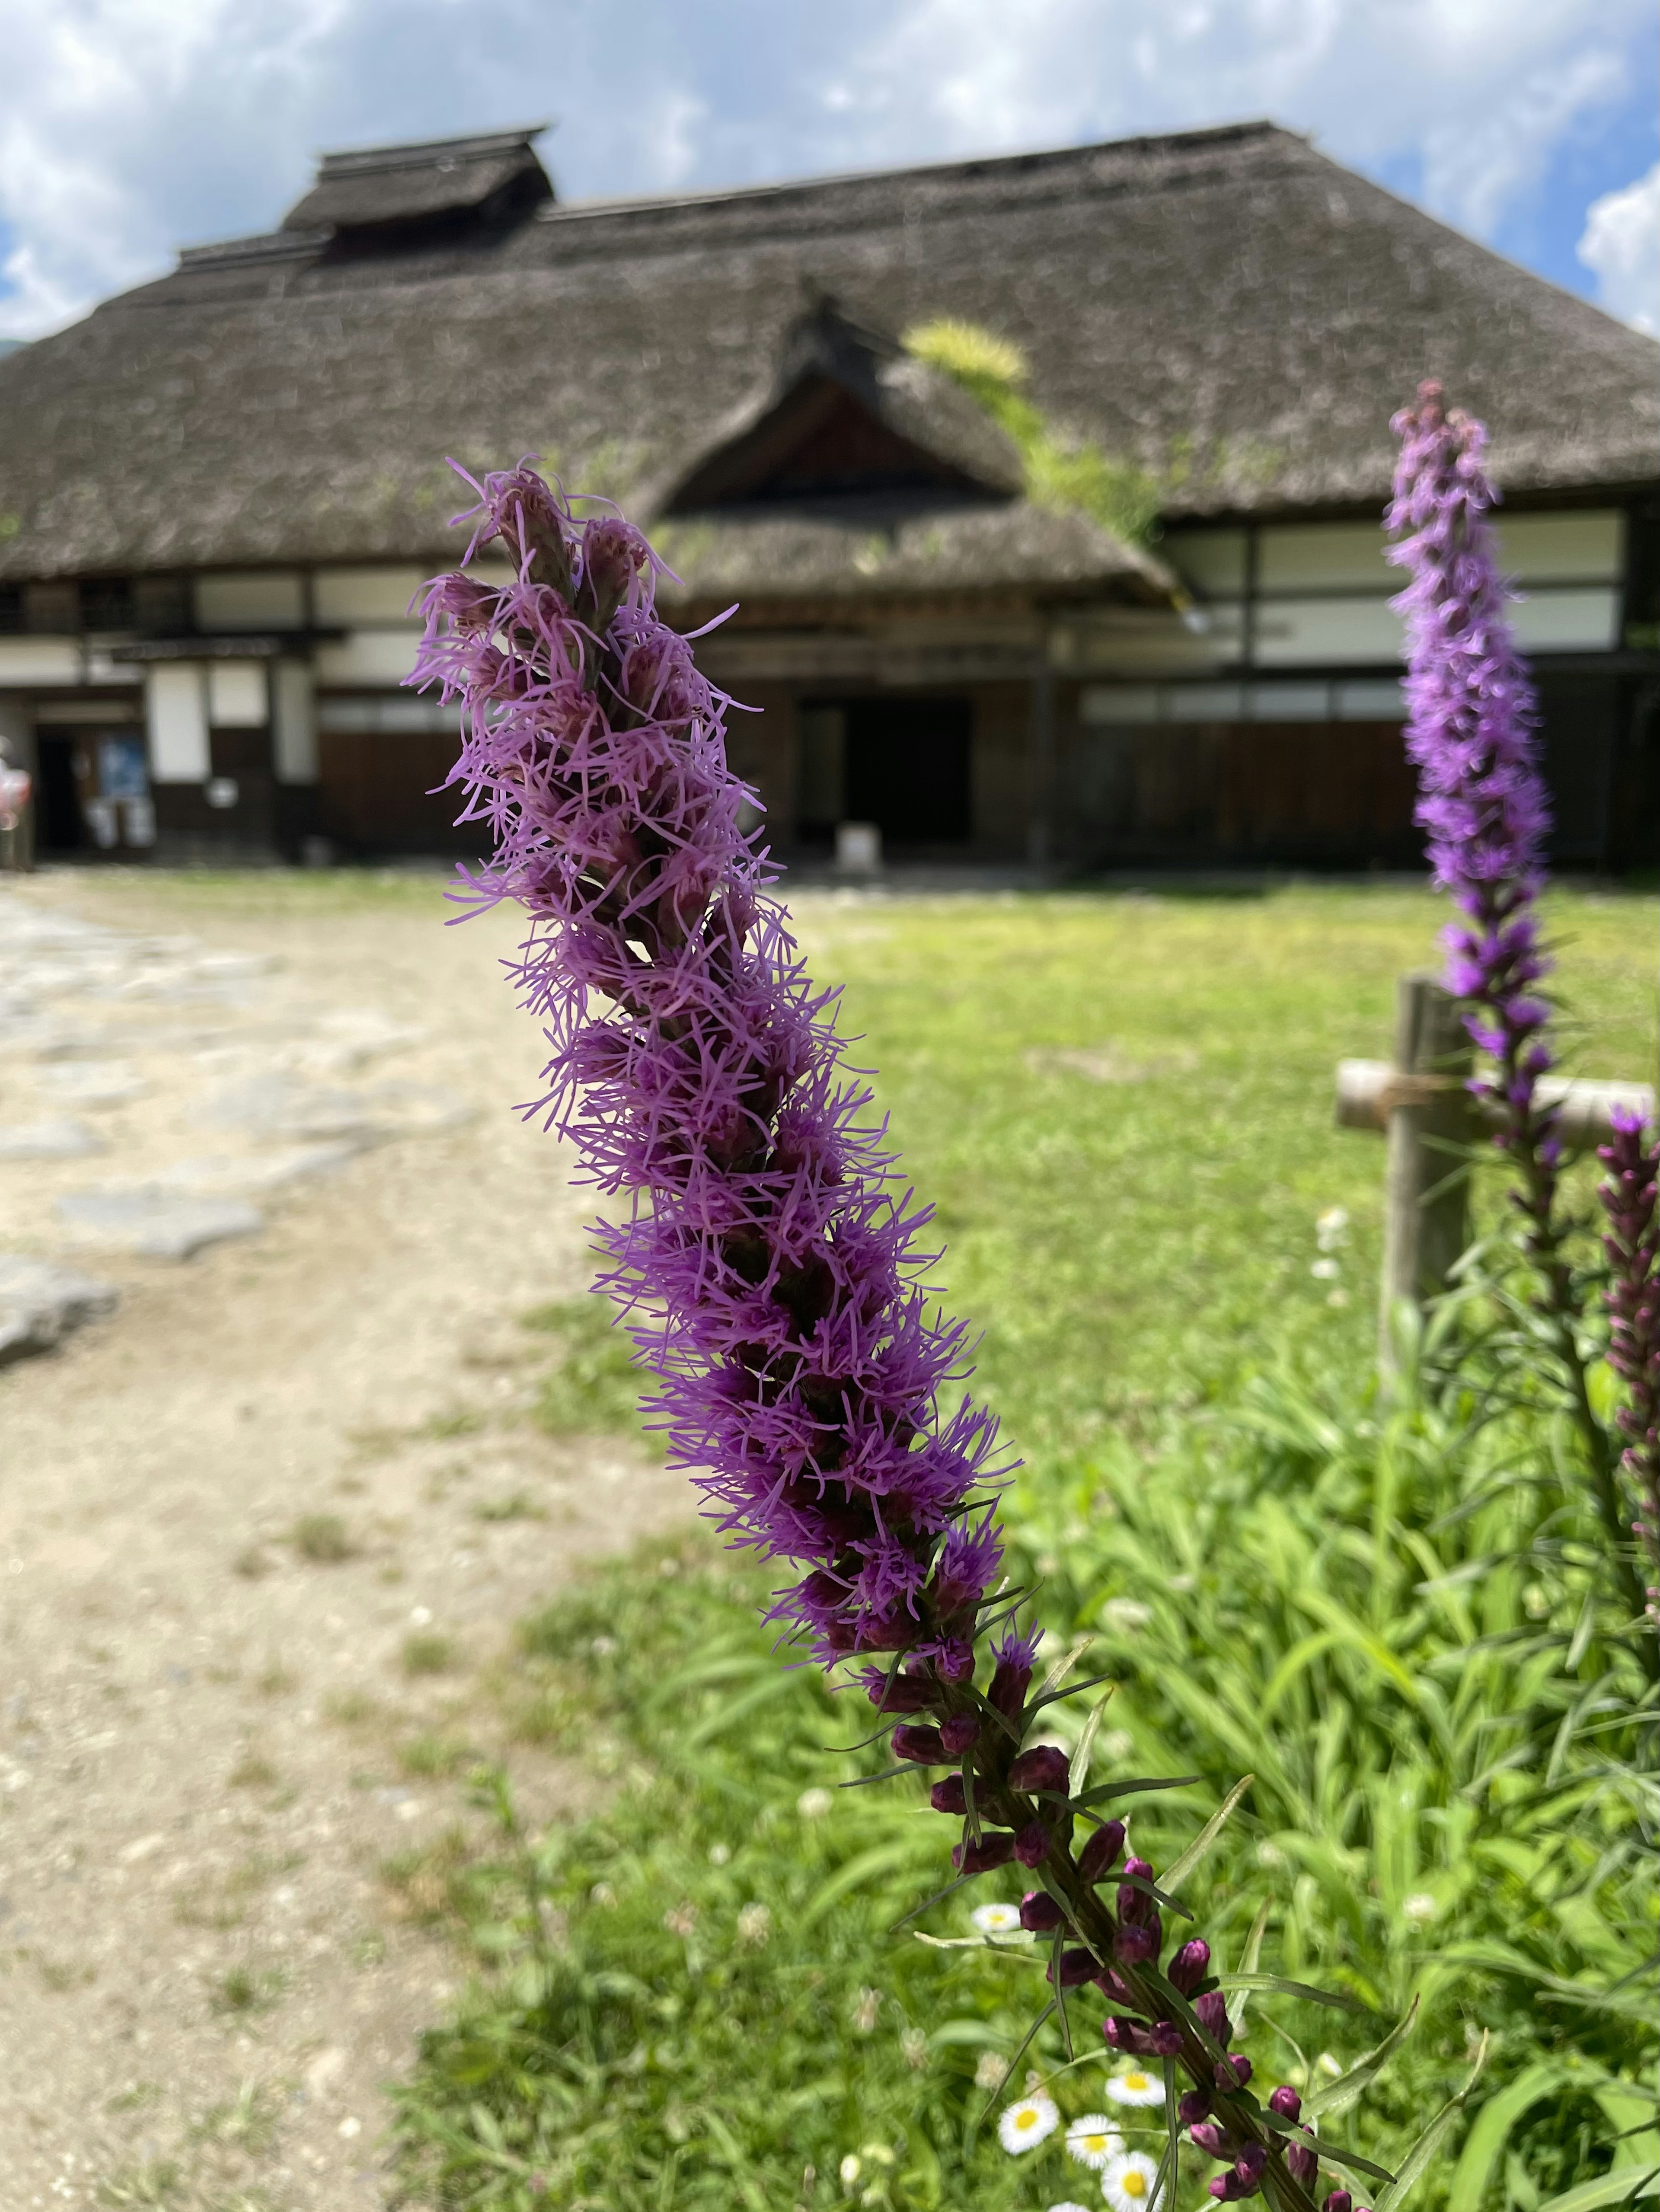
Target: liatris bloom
x: 771, y: 1257
x: 1470, y: 734
x: 1481, y: 801
x: 1632, y: 1245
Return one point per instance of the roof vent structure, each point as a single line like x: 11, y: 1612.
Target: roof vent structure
x: 377, y: 194
x: 850, y: 416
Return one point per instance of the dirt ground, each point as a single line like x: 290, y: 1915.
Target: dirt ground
x: 203, y: 1979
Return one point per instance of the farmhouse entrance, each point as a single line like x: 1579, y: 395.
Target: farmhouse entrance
x: 905, y: 763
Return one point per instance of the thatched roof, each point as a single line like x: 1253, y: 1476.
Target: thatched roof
x: 376, y: 184
x: 1228, y: 308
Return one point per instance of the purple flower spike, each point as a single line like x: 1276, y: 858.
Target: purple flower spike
x: 773, y: 1266
x: 1189, y: 1965
x: 1470, y: 732
x: 1044, y: 1767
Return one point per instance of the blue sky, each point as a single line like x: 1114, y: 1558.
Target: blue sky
x: 129, y: 127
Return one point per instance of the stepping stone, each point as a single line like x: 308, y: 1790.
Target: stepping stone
x: 155, y: 1221
x: 94, y: 1082
x: 274, y: 1105
x: 212, y: 1177
x: 48, y: 1140
x: 40, y: 1304
x: 413, y: 1109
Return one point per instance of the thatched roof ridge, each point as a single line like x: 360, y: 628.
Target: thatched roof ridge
x: 373, y: 185
x: 1228, y: 308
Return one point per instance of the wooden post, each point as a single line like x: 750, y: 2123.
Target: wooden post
x: 1427, y: 1182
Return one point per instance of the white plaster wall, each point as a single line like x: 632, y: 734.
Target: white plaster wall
x: 237, y: 698
x: 176, y: 715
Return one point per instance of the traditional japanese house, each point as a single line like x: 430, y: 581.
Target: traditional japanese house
x: 219, y: 492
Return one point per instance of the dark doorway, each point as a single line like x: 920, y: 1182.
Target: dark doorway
x: 907, y: 768
x: 61, y: 828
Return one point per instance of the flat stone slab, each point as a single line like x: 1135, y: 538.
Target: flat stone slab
x: 155, y: 1221
x: 48, y: 1140
x: 94, y: 1082
x: 216, y: 1175
x: 40, y: 1304
x: 275, y: 1105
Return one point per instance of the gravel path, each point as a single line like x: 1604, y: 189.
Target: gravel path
x: 206, y: 1715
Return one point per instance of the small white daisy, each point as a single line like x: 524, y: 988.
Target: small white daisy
x: 996, y: 1919
x: 1135, y: 2088
x: 1023, y: 2126
x: 813, y: 1804
x: 1128, y: 2184
x: 1093, y: 2140
x: 1067, y: 2207
x: 1419, y: 1909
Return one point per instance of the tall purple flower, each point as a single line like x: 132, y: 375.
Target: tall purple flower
x: 1632, y: 1244
x: 1470, y: 732
x: 770, y: 1255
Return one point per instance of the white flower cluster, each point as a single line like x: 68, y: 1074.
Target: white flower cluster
x: 1129, y: 2179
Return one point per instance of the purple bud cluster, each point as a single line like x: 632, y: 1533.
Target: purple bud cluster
x: 1470, y: 732
x: 697, y: 1073
x: 1632, y: 1241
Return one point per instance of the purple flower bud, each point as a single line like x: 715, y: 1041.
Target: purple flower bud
x: 994, y: 1849
x: 1135, y: 1947
x: 900, y: 1693
x: 1211, y: 2138
x: 1339, y: 2201
x: 1117, y: 2032
x: 1193, y: 2105
x: 1165, y: 2036
x: 1212, y: 2013
x: 1285, y: 2101
x: 1044, y: 1767
x: 1188, y: 1968
x: 1228, y: 2188
x: 1077, y: 1967
x: 1134, y: 1905
x: 1250, y: 2162
x: 921, y: 1744
x: 950, y: 1797
x: 1009, y: 1684
x: 957, y: 1732
x: 1238, y: 2067
x: 1032, y: 1845
x: 1040, y: 1912
x: 1100, y: 1853
x: 1303, y: 2165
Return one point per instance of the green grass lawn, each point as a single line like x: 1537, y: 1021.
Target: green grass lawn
x: 1121, y: 1106
x: 1139, y: 1238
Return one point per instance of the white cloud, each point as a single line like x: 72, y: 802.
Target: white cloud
x: 128, y: 127
x: 1622, y: 244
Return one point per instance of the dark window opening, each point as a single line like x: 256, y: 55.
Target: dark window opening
x: 64, y: 770
x: 11, y: 610
x: 904, y: 763
x: 106, y: 603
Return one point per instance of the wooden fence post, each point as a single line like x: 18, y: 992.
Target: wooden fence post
x: 1427, y: 1182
